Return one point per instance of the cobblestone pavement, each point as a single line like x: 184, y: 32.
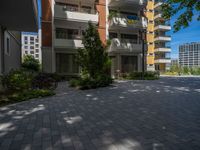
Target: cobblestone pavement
x: 130, y: 115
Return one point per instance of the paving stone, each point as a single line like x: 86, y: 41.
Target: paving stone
x: 128, y: 115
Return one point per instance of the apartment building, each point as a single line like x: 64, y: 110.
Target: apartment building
x: 125, y: 26
x: 64, y: 21
x: 174, y: 62
x: 12, y: 22
x: 158, y: 54
x: 189, y: 54
x: 31, y: 44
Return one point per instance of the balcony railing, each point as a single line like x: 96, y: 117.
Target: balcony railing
x: 68, y: 43
x: 128, y: 21
x: 163, y: 27
x: 163, y: 60
x: 72, y: 14
x: 125, y: 45
x: 162, y: 49
x: 162, y: 38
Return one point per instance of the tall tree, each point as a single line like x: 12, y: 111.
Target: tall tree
x: 93, y: 58
x: 186, y: 8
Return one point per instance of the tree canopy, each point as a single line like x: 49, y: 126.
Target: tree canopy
x: 188, y: 9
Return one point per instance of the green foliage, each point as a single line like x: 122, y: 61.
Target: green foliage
x: 89, y: 83
x: 45, y: 81
x: 93, y: 59
x: 17, y: 80
x: 94, y: 62
x: 74, y: 82
x: 30, y: 63
x: 178, y: 70
x: 150, y: 75
x: 185, y: 7
x: 112, y: 14
x: 26, y: 95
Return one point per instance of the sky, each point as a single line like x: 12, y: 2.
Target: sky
x: 187, y: 35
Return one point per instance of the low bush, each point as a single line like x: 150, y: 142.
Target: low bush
x: 150, y: 75
x: 89, y: 83
x: 17, y: 80
x: 44, y: 81
x: 26, y: 95
x: 74, y: 82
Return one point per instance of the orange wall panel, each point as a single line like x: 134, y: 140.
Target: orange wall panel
x: 101, y: 8
x: 46, y: 23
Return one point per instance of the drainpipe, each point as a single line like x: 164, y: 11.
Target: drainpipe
x: 3, y: 29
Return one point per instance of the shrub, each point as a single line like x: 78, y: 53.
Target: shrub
x: 150, y: 75
x: 44, y: 81
x: 17, y: 80
x: 89, y: 83
x: 25, y: 95
x: 74, y: 83
x: 30, y: 63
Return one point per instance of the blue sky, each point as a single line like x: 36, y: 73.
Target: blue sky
x: 39, y: 12
x: 190, y: 34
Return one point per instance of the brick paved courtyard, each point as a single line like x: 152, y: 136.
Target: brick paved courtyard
x: 131, y: 115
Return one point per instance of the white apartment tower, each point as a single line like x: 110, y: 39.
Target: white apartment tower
x: 31, y: 45
x: 189, y: 54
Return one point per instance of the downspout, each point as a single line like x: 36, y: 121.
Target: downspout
x: 3, y: 29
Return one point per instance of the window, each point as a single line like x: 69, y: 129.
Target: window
x: 25, y: 38
x: 32, y: 43
x: 37, y: 55
x: 31, y: 47
x: 112, y: 35
x: 25, y: 47
x: 7, y: 43
x: 36, y: 40
x: 37, y: 45
x: 32, y: 38
x: 32, y: 52
x: 26, y: 52
x: 37, y: 50
x: 25, y: 42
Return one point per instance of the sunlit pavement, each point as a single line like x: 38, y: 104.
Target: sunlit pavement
x: 130, y: 115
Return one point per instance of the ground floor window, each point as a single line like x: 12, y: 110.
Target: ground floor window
x: 129, y: 63
x: 66, y: 63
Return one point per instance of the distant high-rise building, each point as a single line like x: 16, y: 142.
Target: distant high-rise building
x: 174, y: 62
x: 189, y: 54
x: 31, y: 45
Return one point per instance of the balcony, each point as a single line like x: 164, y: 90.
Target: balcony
x: 163, y: 27
x: 127, y: 3
x: 158, y: 16
x: 163, y: 38
x: 62, y: 13
x: 125, y: 45
x: 20, y: 15
x: 163, y: 49
x: 125, y: 21
x: 158, y: 5
x: 163, y: 61
x: 73, y: 43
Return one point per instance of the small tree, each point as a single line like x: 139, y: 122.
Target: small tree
x: 93, y: 59
x: 30, y: 63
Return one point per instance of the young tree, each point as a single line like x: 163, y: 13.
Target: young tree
x: 93, y: 59
x: 186, y: 8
